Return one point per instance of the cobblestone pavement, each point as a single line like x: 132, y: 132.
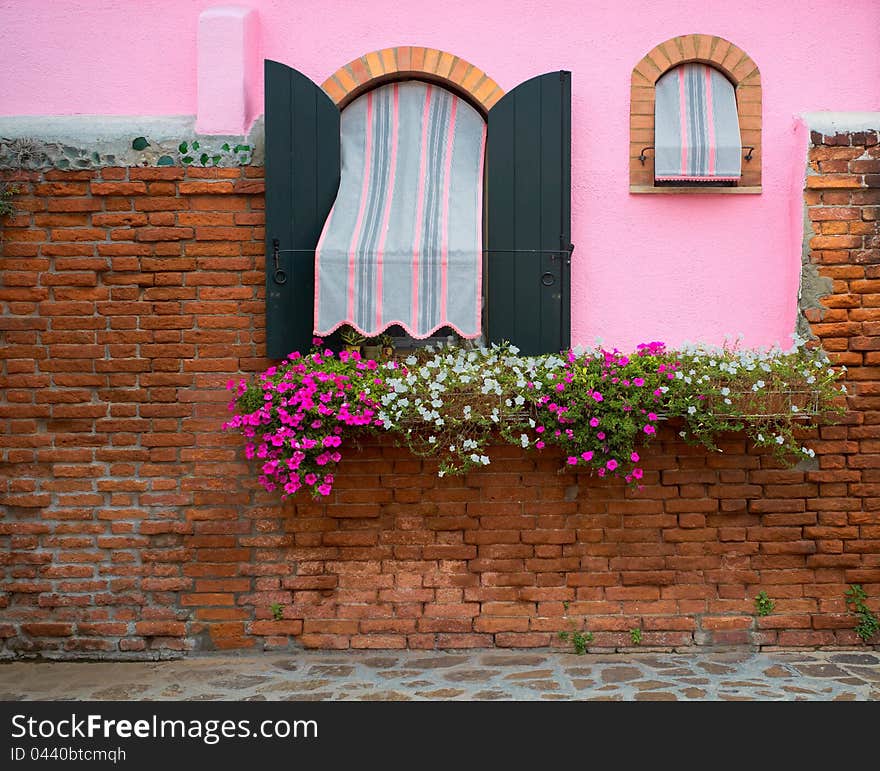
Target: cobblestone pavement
x: 468, y: 675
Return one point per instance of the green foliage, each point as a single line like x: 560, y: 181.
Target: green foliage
x: 350, y: 336
x: 277, y: 611
x: 867, y: 624
x: 599, y: 407
x: 6, y: 193
x: 763, y: 604
x: 635, y: 636
x: 236, y: 156
x: 579, y: 640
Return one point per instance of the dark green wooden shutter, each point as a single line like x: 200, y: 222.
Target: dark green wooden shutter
x: 528, y: 157
x: 302, y: 178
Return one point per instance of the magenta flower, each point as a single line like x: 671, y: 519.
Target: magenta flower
x: 539, y: 444
x: 572, y: 460
x: 587, y: 456
x: 611, y: 465
x: 600, y: 435
x: 634, y: 457
x: 649, y: 429
x: 638, y: 381
x: 637, y: 473
x: 594, y: 422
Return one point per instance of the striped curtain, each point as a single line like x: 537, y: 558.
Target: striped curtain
x: 403, y: 241
x: 696, y: 128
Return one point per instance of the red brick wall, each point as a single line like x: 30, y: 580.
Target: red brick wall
x: 132, y: 524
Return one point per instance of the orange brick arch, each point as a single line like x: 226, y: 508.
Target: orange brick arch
x: 378, y: 67
x: 739, y: 68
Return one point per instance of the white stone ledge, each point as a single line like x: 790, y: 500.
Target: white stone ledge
x: 830, y: 123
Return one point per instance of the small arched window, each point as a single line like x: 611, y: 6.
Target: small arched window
x: 696, y: 128
x: 695, y: 118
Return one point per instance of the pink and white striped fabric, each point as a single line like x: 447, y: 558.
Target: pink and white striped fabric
x: 403, y: 241
x: 696, y: 127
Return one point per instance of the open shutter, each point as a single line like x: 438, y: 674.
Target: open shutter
x: 528, y: 155
x: 302, y: 177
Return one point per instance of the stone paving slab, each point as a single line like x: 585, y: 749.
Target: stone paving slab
x: 457, y: 675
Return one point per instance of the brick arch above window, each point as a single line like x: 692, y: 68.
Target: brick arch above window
x: 736, y: 65
x: 378, y: 67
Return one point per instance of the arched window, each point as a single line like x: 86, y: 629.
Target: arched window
x: 695, y: 119
x: 407, y: 231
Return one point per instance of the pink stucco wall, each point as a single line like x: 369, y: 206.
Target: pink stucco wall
x: 646, y: 267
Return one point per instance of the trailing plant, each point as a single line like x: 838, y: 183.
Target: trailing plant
x: 763, y: 604
x: 600, y: 407
x: 293, y: 415
x: 6, y: 193
x: 867, y: 624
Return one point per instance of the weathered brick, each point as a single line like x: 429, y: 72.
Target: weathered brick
x: 131, y: 501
